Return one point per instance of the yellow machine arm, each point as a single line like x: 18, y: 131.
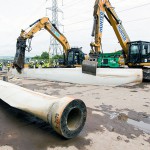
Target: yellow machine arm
x: 44, y: 23
x: 102, y: 6
x: 21, y: 46
x: 103, y: 9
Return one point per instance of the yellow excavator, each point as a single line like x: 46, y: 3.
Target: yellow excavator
x: 135, y: 53
x: 72, y: 56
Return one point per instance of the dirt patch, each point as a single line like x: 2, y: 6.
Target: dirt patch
x: 78, y: 93
x: 31, y: 86
x: 55, y: 92
x: 134, y: 91
x: 107, y: 89
x: 42, y: 84
x: 148, y: 140
x: 146, y: 105
x: 143, y: 85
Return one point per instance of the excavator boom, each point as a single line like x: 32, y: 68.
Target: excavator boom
x: 21, y: 46
x: 103, y: 9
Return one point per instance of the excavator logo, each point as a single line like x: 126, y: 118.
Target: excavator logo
x: 101, y: 21
x: 55, y: 32
x: 122, y: 32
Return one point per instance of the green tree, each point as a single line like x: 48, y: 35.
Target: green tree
x: 58, y: 57
x: 45, y: 55
x: 36, y: 57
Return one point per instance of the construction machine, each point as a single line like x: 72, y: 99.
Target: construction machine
x: 109, y: 60
x: 135, y: 53
x: 72, y: 56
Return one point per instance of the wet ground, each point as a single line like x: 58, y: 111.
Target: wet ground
x: 111, y: 113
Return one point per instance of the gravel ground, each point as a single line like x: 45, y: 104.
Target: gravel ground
x: 111, y: 113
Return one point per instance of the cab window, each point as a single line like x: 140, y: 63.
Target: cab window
x: 70, y: 56
x: 145, y: 49
x: 134, y: 49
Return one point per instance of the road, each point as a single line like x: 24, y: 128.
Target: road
x: 111, y: 111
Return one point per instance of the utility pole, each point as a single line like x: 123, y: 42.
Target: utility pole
x: 55, y: 47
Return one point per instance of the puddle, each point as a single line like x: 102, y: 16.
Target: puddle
x: 113, y: 115
x: 140, y: 125
x: 137, y: 124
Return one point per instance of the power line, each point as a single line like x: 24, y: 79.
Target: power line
x: 68, y: 2
x: 72, y: 4
x: 119, y: 12
x: 35, y: 10
x: 75, y: 15
x: 135, y: 7
x: 82, y: 29
x: 79, y: 22
x: 140, y: 19
x: 79, y: 1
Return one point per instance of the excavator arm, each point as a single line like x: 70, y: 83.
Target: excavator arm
x: 117, y: 26
x: 21, y: 46
x: 97, y: 26
x: 103, y: 9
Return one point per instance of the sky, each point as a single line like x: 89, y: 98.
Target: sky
x: 77, y: 19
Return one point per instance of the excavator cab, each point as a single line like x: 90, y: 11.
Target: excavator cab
x: 139, y: 53
x: 75, y: 56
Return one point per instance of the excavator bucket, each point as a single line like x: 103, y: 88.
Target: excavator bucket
x: 89, y: 67
x: 20, y: 54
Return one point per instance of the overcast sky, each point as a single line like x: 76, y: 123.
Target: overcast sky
x: 77, y: 20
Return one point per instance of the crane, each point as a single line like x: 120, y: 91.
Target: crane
x: 135, y: 53
x: 72, y: 56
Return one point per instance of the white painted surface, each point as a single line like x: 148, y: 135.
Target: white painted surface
x: 33, y: 102
x: 105, y: 76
